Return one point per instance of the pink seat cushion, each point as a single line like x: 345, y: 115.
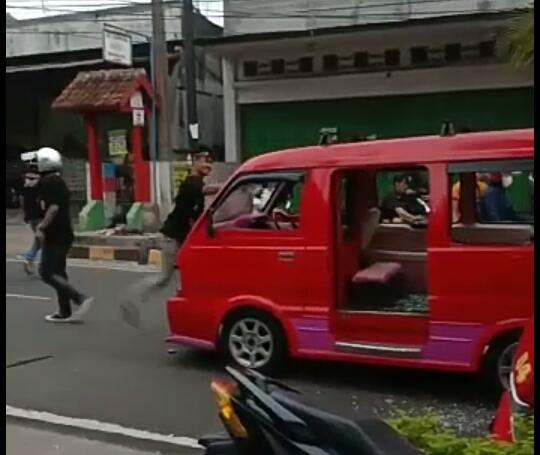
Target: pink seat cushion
x: 379, y: 273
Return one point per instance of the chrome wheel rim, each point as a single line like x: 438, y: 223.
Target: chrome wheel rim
x: 251, y: 343
x: 505, y: 363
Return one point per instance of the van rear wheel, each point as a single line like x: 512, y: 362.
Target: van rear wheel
x: 252, y: 339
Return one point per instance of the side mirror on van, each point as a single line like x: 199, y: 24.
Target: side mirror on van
x: 211, y: 231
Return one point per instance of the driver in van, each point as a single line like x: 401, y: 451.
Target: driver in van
x: 401, y: 206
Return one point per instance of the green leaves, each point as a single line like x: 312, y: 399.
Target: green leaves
x: 428, y: 434
x: 521, y: 42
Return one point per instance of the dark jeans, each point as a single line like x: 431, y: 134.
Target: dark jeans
x: 53, y: 272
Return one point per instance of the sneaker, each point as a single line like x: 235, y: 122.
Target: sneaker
x: 28, y: 268
x: 82, y: 307
x: 59, y: 319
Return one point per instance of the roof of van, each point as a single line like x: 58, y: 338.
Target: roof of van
x: 510, y: 144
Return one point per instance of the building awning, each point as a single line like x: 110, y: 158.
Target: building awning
x: 103, y: 90
x: 51, y: 66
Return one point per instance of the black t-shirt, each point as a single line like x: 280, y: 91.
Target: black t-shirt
x: 188, y: 206
x: 407, y: 202
x: 54, y: 191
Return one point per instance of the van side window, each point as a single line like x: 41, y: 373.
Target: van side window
x: 403, y: 196
x: 492, y: 202
x: 261, y: 203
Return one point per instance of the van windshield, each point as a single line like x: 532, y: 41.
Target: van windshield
x: 269, y: 204
x: 248, y: 199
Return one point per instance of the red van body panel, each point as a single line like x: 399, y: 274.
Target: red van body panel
x: 476, y: 292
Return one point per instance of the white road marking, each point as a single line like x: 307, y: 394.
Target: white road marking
x: 94, y: 425
x: 84, y: 263
x: 30, y: 297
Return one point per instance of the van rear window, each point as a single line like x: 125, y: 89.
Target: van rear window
x: 492, y: 202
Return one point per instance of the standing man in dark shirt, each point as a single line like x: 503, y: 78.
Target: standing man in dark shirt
x: 32, y: 215
x: 56, y: 234
x: 188, y: 206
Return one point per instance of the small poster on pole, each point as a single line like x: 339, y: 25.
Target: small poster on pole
x: 138, y: 117
x: 179, y: 174
x: 136, y: 101
x: 117, y: 143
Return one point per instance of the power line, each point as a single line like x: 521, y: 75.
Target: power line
x: 128, y: 4
x: 218, y: 14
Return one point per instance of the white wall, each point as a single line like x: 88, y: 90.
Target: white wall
x: 83, y: 30
x: 256, y: 16
x: 428, y: 80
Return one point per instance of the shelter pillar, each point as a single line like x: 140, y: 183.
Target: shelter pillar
x: 92, y: 216
x: 141, y: 168
x: 94, y: 158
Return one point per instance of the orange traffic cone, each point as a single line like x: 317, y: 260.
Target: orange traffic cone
x: 501, y: 427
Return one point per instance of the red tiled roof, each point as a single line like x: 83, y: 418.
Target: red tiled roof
x: 108, y: 90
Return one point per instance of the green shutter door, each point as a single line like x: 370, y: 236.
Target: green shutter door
x: 274, y: 126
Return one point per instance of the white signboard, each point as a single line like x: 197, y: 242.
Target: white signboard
x: 117, y: 47
x: 138, y: 117
x: 136, y: 101
x: 194, y: 131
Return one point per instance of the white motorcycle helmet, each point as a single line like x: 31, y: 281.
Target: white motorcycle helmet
x: 45, y: 159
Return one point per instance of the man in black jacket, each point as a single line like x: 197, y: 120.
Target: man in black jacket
x: 56, y: 234
x: 188, y: 206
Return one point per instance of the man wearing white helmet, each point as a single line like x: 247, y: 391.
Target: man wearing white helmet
x: 56, y: 233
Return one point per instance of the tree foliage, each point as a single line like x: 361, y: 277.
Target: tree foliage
x: 521, y: 46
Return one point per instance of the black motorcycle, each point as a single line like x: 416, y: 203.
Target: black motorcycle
x: 262, y: 417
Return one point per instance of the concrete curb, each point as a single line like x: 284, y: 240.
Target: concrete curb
x: 109, y: 253
x: 142, y: 249
x: 154, y: 257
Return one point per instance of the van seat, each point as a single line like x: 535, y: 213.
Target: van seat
x: 378, y: 273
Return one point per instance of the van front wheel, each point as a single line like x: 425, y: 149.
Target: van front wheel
x: 254, y: 340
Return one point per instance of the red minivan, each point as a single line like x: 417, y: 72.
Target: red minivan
x: 412, y: 252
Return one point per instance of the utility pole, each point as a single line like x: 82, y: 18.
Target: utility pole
x: 164, y: 152
x: 162, y: 74
x: 190, y: 81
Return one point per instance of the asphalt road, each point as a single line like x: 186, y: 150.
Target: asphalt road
x: 24, y: 440
x: 105, y: 370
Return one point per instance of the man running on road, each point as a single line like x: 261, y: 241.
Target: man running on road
x: 56, y: 234
x: 188, y: 206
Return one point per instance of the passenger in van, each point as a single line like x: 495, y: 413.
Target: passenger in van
x: 494, y: 205
x: 481, y: 187
x: 401, y: 206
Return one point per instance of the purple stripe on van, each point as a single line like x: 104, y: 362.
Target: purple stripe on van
x: 191, y: 342
x: 452, y: 342
x: 313, y: 334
